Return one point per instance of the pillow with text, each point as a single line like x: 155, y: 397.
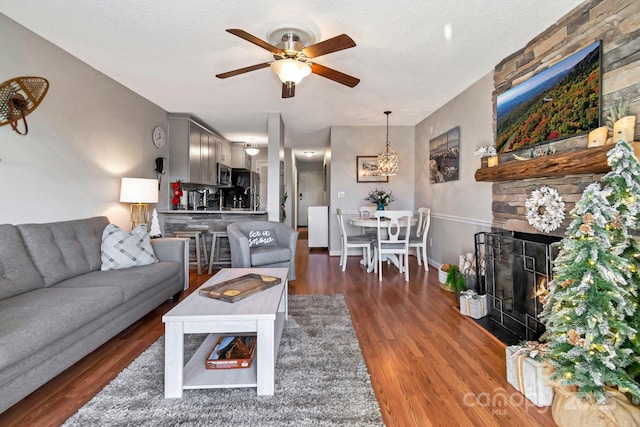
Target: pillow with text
x: 262, y: 238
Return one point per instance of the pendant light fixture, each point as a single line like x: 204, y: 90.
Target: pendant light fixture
x: 251, y: 150
x: 387, y: 160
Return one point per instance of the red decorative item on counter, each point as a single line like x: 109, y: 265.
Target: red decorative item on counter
x: 177, y: 194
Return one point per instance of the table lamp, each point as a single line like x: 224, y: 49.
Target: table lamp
x: 139, y: 192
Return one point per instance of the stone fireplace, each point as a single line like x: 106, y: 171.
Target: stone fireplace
x: 614, y: 24
x: 518, y: 257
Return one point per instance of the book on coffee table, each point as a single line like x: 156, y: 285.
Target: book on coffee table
x: 231, y: 352
x: 240, y: 287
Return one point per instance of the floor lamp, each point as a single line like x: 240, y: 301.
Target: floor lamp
x: 139, y: 192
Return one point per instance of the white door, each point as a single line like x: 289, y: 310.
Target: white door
x: 310, y: 188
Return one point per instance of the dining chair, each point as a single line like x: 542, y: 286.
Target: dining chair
x: 368, y: 212
x: 394, y: 231
x: 358, y: 241
x: 419, y: 240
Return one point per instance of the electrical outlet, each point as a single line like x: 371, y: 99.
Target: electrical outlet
x: 430, y: 242
x: 340, y: 194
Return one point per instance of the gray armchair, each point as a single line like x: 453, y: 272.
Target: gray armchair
x: 281, y: 253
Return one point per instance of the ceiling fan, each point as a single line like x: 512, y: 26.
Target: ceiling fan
x: 292, y: 62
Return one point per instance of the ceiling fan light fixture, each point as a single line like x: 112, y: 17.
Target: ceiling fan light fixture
x: 290, y: 70
x: 251, y: 150
x: 387, y: 161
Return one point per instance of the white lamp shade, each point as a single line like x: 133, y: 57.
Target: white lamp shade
x: 139, y: 190
x: 290, y: 70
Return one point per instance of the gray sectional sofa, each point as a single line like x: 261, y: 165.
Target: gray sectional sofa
x: 57, y: 306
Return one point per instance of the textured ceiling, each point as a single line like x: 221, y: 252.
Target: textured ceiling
x: 169, y: 52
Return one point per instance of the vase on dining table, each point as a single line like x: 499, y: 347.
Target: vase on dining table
x: 380, y: 206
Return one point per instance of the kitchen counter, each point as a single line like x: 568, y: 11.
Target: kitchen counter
x: 191, y: 220
x: 205, y: 221
x: 208, y: 211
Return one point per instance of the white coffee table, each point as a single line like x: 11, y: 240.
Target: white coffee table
x: 263, y: 313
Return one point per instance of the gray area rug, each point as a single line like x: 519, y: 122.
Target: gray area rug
x: 321, y: 380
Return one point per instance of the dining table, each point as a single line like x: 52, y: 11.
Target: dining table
x: 372, y: 222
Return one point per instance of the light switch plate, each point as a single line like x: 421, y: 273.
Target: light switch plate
x: 340, y: 194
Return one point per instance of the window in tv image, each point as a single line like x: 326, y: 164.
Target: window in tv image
x: 562, y: 101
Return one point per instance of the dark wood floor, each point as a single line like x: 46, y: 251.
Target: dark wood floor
x: 429, y: 365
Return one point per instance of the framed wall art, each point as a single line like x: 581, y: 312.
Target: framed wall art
x: 444, y: 157
x: 367, y: 169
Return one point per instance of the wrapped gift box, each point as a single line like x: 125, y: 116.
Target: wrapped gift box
x: 528, y: 376
x: 473, y: 305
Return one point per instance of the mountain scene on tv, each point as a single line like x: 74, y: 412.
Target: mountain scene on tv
x: 562, y: 101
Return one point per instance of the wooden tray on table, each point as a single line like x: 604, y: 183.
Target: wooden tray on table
x: 239, y: 288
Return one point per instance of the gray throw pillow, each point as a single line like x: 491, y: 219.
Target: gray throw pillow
x: 262, y: 238
x: 124, y: 250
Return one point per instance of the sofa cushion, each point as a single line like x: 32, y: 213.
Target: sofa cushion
x: 265, y: 255
x: 259, y: 238
x: 132, y: 281
x: 65, y: 249
x: 17, y: 272
x: 35, y: 319
x: 123, y: 250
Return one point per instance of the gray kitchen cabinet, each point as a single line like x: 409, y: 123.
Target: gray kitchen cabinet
x: 193, y: 172
x: 192, y: 151
x: 207, y: 157
x: 223, y: 151
x: 239, y: 158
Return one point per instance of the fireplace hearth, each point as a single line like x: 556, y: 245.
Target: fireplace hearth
x: 518, y: 270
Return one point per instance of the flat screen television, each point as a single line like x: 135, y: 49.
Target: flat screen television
x: 562, y: 101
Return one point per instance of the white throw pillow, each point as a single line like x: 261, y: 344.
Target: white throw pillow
x: 124, y: 250
x: 262, y: 238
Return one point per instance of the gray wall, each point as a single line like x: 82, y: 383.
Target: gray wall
x: 463, y: 207
x: 348, y: 142
x: 88, y: 133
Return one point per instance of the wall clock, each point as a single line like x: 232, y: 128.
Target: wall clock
x: 159, y: 137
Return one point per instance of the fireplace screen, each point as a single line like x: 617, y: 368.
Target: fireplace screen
x: 518, y: 270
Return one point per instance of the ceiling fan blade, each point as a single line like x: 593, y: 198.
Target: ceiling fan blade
x: 334, y: 75
x: 243, y: 70
x: 288, y: 90
x: 253, y: 39
x: 331, y: 45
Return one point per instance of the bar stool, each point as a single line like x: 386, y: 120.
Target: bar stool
x: 215, y: 249
x: 199, y: 238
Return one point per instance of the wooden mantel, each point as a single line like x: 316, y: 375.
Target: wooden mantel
x: 586, y: 160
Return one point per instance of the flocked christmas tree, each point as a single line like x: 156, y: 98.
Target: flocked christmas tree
x: 155, y: 226
x: 624, y: 183
x: 591, y: 313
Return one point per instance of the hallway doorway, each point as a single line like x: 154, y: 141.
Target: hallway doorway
x: 310, y: 189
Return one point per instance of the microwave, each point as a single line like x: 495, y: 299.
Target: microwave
x: 224, y: 176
